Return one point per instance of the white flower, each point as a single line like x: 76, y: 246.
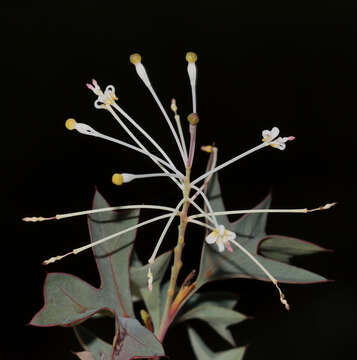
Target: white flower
x: 279, y: 143
x: 104, y: 99
x: 270, y: 137
x: 221, y: 237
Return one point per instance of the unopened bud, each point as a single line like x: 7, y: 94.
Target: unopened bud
x: 207, y: 148
x: 191, y: 57
x: 135, y: 58
x: 70, y: 124
x: 117, y: 179
x: 193, y: 119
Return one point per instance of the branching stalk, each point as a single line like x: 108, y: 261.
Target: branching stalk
x: 176, y: 267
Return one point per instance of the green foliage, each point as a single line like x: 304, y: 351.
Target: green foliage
x: 138, y: 276
x: 250, y: 230
x: 284, y: 248
x: 95, y: 347
x: 70, y: 301
x: 202, y: 352
x: 214, y: 308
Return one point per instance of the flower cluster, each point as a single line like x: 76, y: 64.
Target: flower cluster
x: 217, y: 233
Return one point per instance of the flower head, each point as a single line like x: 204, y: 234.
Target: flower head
x: 271, y: 138
x: 279, y: 143
x: 270, y: 135
x: 104, y: 99
x: 221, y: 237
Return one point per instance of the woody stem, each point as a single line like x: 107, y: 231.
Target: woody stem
x: 176, y: 267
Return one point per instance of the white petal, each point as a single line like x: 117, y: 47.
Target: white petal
x: 220, y: 246
x: 274, y: 132
x: 221, y: 230
x: 231, y: 236
x: 279, y: 143
x: 265, y: 133
x: 110, y: 88
x: 211, y: 238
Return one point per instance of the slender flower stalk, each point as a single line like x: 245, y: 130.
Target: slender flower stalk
x: 107, y: 238
x: 202, y: 212
x: 159, y: 242
x: 207, y: 203
x: 95, y: 211
x: 135, y: 59
x: 266, y: 272
x: 72, y: 124
x: 134, y: 123
x: 106, y: 100
x: 229, y: 162
x: 257, y: 211
x: 139, y: 143
x: 200, y: 223
x: 179, y: 127
x: 269, y: 138
x: 120, y: 179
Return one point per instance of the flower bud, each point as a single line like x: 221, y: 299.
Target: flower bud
x: 193, y: 119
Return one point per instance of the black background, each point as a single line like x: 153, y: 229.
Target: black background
x: 261, y: 64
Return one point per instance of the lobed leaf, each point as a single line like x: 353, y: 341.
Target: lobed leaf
x: 135, y: 341
x: 70, y: 300
x: 203, y: 352
x: 97, y: 348
x: 215, y: 309
x: 250, y: 230
x: 283, y: 248
x: 219, y: 318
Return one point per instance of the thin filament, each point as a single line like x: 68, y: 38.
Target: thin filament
x: 203, y: 213
x: 153, y: 93
x: 172, y: 216
x: 138, y: 142
x: 201, y: 224
x: 219, y: 167
x: 101, y: 241
x: 257, y: 211
x: 206, y: 202
x: 266, y: 272
x: 94, y: 211
x: 134, y: 123
x: 182, y: 139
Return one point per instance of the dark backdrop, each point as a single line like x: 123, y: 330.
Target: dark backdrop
x: 261, y: 64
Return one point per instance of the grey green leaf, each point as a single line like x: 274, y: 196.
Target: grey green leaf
x: 283, y: 248
x: 218, y: 317
x: 250, y: 230
x: 203, y: 352
x: 138, y: 276
x: 99, y: 349
x: 70, y: 300
x: 135, y: 341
